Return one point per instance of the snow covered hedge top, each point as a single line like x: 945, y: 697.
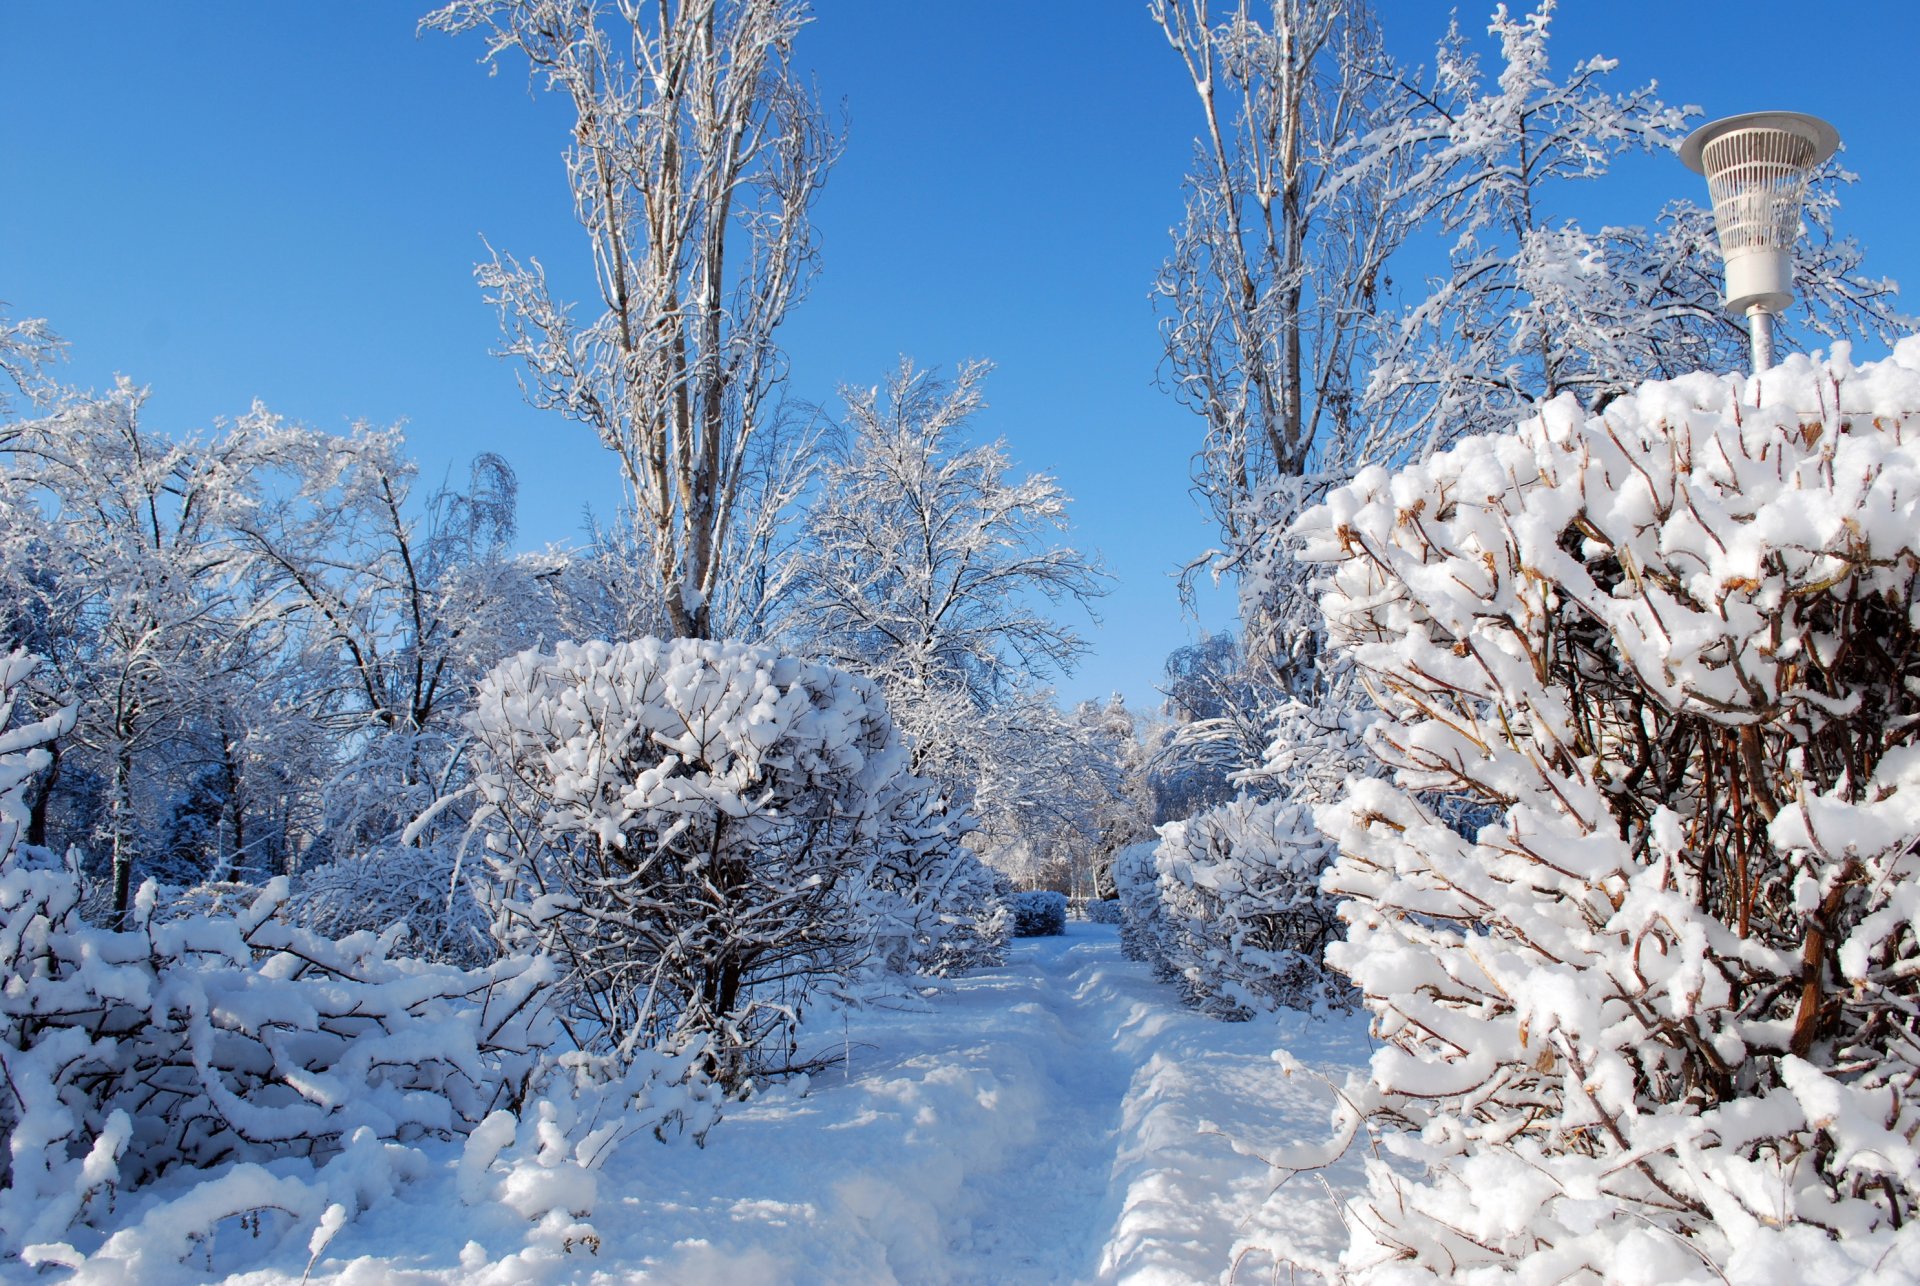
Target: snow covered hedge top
x: 1665, y: 995
x: 710, y: 726
x: 1680, y: 520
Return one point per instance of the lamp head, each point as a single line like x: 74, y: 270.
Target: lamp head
x: 1756, y: 166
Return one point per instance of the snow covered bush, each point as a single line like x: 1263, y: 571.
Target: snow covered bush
x: 1040, y: 913
x: 424, y: 888
x: 1246, y: 923
x: 935, y: 907
x: 130, y: 1053
x: 229, y: 1037
x: 1657, y: 1020
x: 690, y: 828
x: 1104, y: 911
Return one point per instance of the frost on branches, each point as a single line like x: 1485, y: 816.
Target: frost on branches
x: 1658, y: 1021
x: 691, y: 828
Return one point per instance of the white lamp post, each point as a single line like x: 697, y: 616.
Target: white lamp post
x: 1757, y: 167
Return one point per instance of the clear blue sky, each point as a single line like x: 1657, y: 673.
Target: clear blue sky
x: 284, y: 201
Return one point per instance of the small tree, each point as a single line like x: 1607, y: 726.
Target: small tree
x: 930, y: 571
x: 1661, y: 1007
x: 395, y: 604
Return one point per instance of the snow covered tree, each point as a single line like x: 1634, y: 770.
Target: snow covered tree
x: 690, y: 827
x: 131, y: 525
x: 1484, y: 167
x: 696, y: 155
x: 1115, y: 787
x: 927, y: 565
x: 935, y: 907
x: 1218, y: 715
x: 397, y: 605
x: 929, y: 571
x: 1659, y: 1010
x: 27, y: 346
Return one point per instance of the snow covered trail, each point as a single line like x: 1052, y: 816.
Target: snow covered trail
x: 1052, y: 1120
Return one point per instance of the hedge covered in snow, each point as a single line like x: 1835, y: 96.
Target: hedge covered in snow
x: 935, y: 907
x: 1039, y: 913
x: 1245, y: 923
x: 703, y: 834
x: 1144, y: 934
x: 1660, y: 1018
x: 1227, y: 904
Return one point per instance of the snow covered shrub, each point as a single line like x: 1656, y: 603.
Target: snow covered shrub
x: 689, y: 827
x: 1660, y: 1018
x: 979, y: 940
x: 1144, y: 932
x: 1246, y: 923
x: 191, y: 1042
x: 217, y: 1035
x: 424, y: 888
x: 543, y: 1161
x: 1039, y: 914
x: 1104, y: 911
x: 934, y: 906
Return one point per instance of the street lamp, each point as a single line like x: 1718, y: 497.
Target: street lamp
x: 1757, y: 166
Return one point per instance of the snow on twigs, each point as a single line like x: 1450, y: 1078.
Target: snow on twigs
x: 1655, y: 1020
x: 233, y: 1069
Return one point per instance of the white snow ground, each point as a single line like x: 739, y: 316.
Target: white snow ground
x: 1047, y: 1121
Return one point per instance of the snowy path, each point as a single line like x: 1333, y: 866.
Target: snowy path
x: 1041, y: 1122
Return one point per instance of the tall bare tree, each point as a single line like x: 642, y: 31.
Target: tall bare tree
x: 1275, y: 267
x: 697, y: 153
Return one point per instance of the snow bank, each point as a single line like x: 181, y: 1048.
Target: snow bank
x: 1062, y: 1118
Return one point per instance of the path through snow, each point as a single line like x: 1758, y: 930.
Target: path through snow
x: 1046, y: 1121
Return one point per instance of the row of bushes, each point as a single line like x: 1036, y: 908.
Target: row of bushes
x: 681, y: 844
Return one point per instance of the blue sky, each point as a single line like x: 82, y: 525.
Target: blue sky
x: 238, y: 200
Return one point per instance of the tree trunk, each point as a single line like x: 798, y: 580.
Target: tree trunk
x: 121, y: 807
x: 42, y: 797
